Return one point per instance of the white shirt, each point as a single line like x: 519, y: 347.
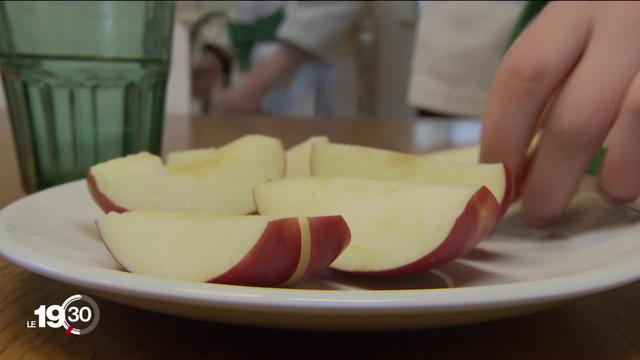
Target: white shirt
x: 458, y: 47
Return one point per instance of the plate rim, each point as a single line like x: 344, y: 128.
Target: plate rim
x: 521, y: 293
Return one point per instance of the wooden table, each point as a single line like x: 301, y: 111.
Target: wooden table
x: 605, y: 326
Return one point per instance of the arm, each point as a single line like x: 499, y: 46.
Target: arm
x: 281, y: 65
x: 310, y: 31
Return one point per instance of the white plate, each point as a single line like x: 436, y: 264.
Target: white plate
x: 517, y: 270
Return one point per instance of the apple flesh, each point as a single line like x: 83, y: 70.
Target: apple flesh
x: 471, y: 154
x: 463, y: 154
x: 396, y: 227
x: 218, y: 182
x: 188, y: 156
x: 358, y: 161
x: 299, y: 157
x: 238, y: 250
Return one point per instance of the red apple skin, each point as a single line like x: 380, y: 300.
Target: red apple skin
x: 272, y: 260
x: 474, y: 224
x: 330, y: 235
x: 100, y: 198
x: 280, y: 244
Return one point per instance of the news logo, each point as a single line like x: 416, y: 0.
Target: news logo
x: 78, y: 315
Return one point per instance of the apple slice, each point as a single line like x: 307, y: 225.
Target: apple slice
x: 396, y: 227
x: 317, y: 195
x: 471, y: 154
x: 299, y: 156
x: 359, y: 161
x: 220, y: 182
x: 188, y: 156
x: 239, y: 250
x: 463, y: 154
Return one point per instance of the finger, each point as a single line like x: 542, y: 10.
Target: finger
x: 533, y: 68
x: 620, y: 173
x: 578, y: 122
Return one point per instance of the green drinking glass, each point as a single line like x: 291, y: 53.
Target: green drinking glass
x: 85, y: 82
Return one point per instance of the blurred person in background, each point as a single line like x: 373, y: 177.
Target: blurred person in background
x: 291, y: 58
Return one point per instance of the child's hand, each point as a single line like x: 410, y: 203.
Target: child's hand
x: 576, y: 69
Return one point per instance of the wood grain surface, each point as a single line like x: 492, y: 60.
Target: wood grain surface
x: 604, y: 326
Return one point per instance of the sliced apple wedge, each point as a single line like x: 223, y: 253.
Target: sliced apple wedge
x: 220, y: 182
x: 188, y: 156
x: 299, y: 157
x: 470, y: 154
x: 359, y: 161
x: 317, y: 195
x: 239, y: 250
x: 396, y: 227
